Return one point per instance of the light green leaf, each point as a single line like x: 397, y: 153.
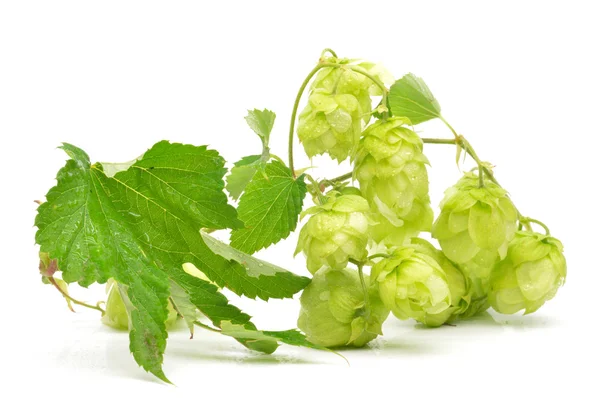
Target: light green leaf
x: 411, y: 98
x: 291, y: 337
x: 261, y: 122
x: 183, y: 305
x: 271, y: 280
x: 242, y: 173
x: 269, y: 208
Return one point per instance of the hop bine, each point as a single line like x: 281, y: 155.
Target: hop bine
x: 417, y: 281
x: 474, y: 229
x: 390, y: 167
x: 530, y: 274
x: 334, y: 312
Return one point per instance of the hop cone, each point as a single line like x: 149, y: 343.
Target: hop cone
x: 333, y: 311
x: 331, y: 124
x: 474, y: 229
x: 339, y: 105
x: 335, y: 232
x: 530, y: 274
x: 390, y: 167
x: 418, y: 282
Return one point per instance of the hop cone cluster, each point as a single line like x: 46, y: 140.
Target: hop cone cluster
x: 335, y: 232
x: 530, y: 274
x: 334, y: 313
x: 417, y: 281
x: 339, y: 105
x: 474, y: 229
x: 391, y: 169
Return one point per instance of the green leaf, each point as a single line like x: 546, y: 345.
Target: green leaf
x: 411, y: 98
x: 184, y: 306
x: 269, y: 208
x: 291, y: 337
x: 80, y: 227
x: 215, y: 306
x: 261, y: 122
x: 242, y: 173
x: 142, y: 225
x: 270, y: 280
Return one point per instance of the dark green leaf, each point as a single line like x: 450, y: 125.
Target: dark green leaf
x: 269, y: 208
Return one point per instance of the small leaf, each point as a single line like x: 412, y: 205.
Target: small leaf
x: 242, y: 173
x: 183, y: 305
x: 291, y: 337
x: 270, y: 281
x: 269, y: 208
x: 261, y: 122
x: 410, y: 97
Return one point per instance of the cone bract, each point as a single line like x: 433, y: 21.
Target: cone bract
x: 530, y: 274
x: 333, y: 311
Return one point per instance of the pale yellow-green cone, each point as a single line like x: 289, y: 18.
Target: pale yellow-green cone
x: 530, y: 274
x: 330, y: 123
x: 474, y: 229
x: 339, y: 106
x: 391, y: 169
x: 345, y: 81
x: 335, y: 232
x: 115, y: 315
x: 333, y: 311
x: 417, y: 281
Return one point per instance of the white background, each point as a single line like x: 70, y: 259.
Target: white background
x: 518, y: 79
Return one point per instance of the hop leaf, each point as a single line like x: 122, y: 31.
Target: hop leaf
x: 390, y: 167
x: 335, y: 232
x: 334, y: 313
x: 530, y: 274
x: 411, y: 98
x: 417, y: 281
x: 474, y: 229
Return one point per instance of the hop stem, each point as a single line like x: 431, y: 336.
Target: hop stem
x: 75, y: 301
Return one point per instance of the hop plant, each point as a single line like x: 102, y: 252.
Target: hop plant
x: 339, y: 105
x: 417, y: 281
x: 390, y: 167
x: 335, y: 232
x: 474, y: 228
x: 334, y: 313
x: 530, y: 274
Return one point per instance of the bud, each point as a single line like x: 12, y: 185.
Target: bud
x: 390, y: 167
x: 530, y: 274
x: 333, y: 312
x: 116, y: 316
x: 417, y: 281
x: 474, y: 229
x: 330, y: 123
x: 335, y: 232
x: 47, y: 266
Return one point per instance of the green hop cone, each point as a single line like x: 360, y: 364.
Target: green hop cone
x: 391, y: 169
x: 530, y: 274
x: 333, y: 312
x: 116, y: 316
x: 343, y: 80
x: 474, y: 229
x: 331, y: 124
x: 335, y: 232
x: 417, y: 281
x: 339, y: 105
